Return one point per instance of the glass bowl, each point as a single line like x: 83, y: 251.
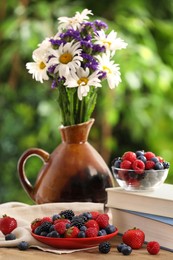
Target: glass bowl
x: 148, y: 180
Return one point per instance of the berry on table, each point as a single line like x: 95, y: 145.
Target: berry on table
x: 126, y: 250
x: 23, y: 245
x: 7, y: 224
x: 104, y: 247
x: 120, y: 246
x: 134, y: 238
x: 153, y: 247
x: 10, y: 236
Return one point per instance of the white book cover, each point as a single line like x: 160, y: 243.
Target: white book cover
x: 158, y: 202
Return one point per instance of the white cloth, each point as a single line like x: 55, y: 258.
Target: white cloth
x: 25, y: 214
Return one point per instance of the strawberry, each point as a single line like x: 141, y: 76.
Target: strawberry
x: 138, y: 166
x: 91, y: 232
x: 103, y: 220
x: 46, y: 219
x: 35, y: 223
x: 60, y: 227
x: 94, y: 214
x: 92, y: 223
x: 7, y: 224
x: 71, y: 232
x: 153, y: 247
x: 134, y: 238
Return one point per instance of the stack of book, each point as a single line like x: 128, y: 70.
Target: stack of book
x: 150, y: 211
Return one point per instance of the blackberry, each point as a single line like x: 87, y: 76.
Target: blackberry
x: 67, y: 214
x: 23, y: 245
x: 104, y: 247
x: 78, y: 221
x: 166, y: 165
x: 45, y: 226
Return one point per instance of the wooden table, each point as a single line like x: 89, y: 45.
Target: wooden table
x: 140, y: 254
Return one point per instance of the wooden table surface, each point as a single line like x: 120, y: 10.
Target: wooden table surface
x: 140, y: 254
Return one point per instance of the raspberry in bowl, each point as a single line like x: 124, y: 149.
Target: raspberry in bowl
x: 140, y: 170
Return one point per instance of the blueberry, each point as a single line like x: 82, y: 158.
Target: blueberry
x: 87, y: 215
x: 142, y: 158
x: 10, y: 236
x: 81, y: 234
x: 83, y: 228
x: 110, y: 229
x: 120, y: 246
x: 166, y: 165
x: 23, y: 245
x: 43, y: 234
x: 126, y: 250
x: 139, y: 153
x: 53, y: 234
x: 55, y: 217
x: 158, y: 166
x: 154, y: 159
x: 102, y: 232
x: 117, y: 162
x: 68, y: 225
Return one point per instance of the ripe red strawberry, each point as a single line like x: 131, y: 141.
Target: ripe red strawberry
x: 138, y: 166
x: 130, y: 156
x: 71, y: 232
x: 7, y: 224
x: 103, y: 220
x: 91, y: 232
x: 35, y: 223
x: 134, y: 238
x: 60, y: 227
x: 149, y: 165
x: 46, y: 219
x: 92, y: 223
x: 95, y: 214
x: 153, y: 247
x: 149, y: 155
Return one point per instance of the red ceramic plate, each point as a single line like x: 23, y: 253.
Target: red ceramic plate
x: 74, y: 243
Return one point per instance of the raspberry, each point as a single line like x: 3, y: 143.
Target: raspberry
x: 149, y: 155
x: 91, y: 232
x: 153, y: 247
x: 92, y: 223
x: 94, y: 214
x: 130, y: 156
x: 125, y: 164
x: 103, y: 220
x: 138, y: 166
x: 104, y: 247
x: 60, y: 227
x: 149, y: 165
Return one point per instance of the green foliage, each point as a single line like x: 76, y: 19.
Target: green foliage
x: 137, y: 115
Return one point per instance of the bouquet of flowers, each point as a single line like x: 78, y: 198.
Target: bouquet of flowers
x: 77, y: 59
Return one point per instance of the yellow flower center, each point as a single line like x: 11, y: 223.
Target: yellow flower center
x: 66, y: 58
x: 42, y: 65
x: 106, y: 42
x: 82, y: 81
x: 105, y: 68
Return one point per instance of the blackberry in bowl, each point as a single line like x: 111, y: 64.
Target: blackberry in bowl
x: 140, y: 170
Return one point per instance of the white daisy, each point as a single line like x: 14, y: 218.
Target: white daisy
x: 67, y: 58
x: 74, y: 22
x: 83, y: 81
x: 113, y: 74
x: 110, y: 41
x: 39, y: 67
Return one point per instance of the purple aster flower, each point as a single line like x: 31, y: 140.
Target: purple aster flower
x: 100, y: 25
x: 51, y: 69
x: 56, y: 42
x: 89, y: 62
x: 70, y: 34
x: 102, y: 75
x: 86, y: 46
x: 54, y: 84
x: 98, y: 49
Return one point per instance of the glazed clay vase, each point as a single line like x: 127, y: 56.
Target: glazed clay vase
x: 73, y: 172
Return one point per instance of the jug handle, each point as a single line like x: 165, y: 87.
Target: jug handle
x: 43, y: 155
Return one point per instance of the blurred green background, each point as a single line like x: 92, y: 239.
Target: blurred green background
x: 137, y: 115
